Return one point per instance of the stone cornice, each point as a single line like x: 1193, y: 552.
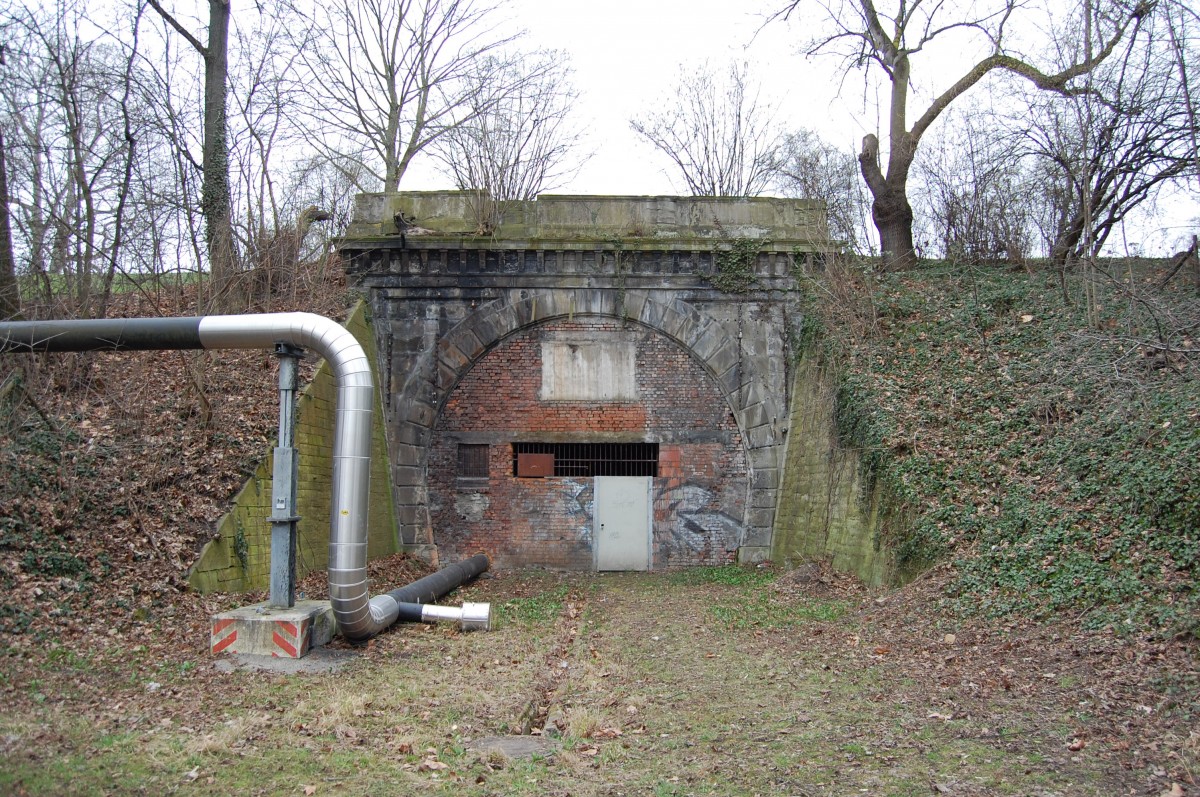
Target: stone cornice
x: 467, y: 220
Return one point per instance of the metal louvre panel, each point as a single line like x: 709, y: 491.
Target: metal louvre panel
x: 584, y: 460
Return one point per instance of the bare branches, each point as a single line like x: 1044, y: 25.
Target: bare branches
x: 811, y: 168
x: 889, y: 33
x: 1057, y: 82
x: 1108, y: 151
x: 719, y: 138
x: 179, y: 28
x: 388, y: 78
x: 519, y: 141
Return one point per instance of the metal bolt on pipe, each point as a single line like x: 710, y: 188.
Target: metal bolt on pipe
x: 358, y: 615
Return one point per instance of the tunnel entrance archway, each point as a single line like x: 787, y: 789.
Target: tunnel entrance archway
x: 445, y: 296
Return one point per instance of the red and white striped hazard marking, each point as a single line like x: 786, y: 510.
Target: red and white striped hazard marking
x: 224, y: 635
x: 291, y: 639
x: 252, y: 631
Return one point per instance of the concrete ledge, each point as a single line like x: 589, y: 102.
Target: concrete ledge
x: 260, y: 630
x: 752, y: 554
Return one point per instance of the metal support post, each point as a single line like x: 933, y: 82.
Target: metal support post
x: 283, y: 484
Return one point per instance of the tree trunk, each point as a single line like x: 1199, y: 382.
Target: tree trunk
x: 10, y: 295
x: 893, y: 217
x: 890, y: 210
x: 1066, y: 246
x: 216, y: 200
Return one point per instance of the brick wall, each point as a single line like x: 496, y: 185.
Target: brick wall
x: 699, y: 497
x: 246, y: 527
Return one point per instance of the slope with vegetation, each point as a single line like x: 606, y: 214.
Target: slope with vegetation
x: 1042, y: 436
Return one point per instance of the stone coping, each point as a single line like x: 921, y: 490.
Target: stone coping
x: 470, y: 219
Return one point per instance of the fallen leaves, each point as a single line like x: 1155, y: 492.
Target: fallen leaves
x: 431, y: 764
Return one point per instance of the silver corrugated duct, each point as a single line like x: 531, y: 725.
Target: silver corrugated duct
x: 358, y: 616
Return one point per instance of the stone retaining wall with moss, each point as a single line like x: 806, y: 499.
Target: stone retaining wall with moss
x: 825, y: 510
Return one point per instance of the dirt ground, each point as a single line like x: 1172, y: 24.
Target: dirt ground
x: 726, y: 681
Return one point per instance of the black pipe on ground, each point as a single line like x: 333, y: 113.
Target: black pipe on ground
x: 435, y: 585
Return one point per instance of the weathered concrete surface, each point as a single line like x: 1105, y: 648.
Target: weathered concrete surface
x: 318, y: 660
x: 825, y: 510
x: 513, y: 747
x: 451, y: 278
x: 669, y: 220
x: 261, y: 630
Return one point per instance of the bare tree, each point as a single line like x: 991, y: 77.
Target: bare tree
x: 265, y: 102
x: 388, y: 77
x: 721, y: 140
x: 10, y: 292
x: 811, y: 168
x: 70, y: 157
x: 867, y: 38
x: 975, y: 195
x: 520, y: 143
x: 216, y: 197
x: 314, y: 180
x: 1107, y: 152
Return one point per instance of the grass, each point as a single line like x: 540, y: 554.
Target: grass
x: 743, y: 599
x: 762, y: 612
x: 659, y: 694
x: 726, y: 575
x: 534, y: 610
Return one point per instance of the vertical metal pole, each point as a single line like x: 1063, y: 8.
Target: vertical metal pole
x: 283, y: 484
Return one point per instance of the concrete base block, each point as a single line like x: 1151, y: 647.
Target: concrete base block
x: 753, y: 554
x: 260, y: 630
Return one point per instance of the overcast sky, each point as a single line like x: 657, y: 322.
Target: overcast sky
x: 626, y: 56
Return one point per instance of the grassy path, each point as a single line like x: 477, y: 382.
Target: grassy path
x: 709, y: 682
x: 783, y: 707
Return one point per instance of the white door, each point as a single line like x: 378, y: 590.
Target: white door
x: 622, y: 523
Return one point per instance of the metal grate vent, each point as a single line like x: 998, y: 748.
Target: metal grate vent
x: 593, y: 459
x: 472, y: 461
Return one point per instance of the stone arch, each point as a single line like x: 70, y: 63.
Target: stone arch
x: 426, y: 388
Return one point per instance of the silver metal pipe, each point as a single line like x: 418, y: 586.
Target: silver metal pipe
x: 358, y: 616
x: 470, y: 616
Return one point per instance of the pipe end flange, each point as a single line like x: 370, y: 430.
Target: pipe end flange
x: 476, y: 616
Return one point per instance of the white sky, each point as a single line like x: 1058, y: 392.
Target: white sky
x: 626, y: 56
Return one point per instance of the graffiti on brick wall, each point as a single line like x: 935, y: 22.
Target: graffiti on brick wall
x: 697, y: 526
x: 579, y: 505
x: 576, y: 502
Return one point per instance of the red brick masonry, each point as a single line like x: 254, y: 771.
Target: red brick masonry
x: 699, y: 494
